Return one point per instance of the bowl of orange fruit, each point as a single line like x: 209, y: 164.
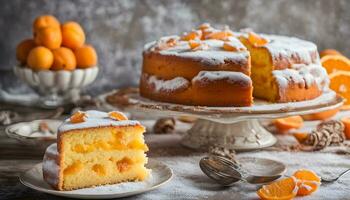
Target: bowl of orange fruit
x: 56, y: 62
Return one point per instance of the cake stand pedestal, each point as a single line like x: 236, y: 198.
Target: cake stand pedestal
x: 230, y: 127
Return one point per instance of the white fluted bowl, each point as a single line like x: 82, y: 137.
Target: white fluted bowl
x: 57, y: 87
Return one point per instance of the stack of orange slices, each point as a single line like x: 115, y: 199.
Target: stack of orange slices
x: 338, y: 69
x: 303, y: 182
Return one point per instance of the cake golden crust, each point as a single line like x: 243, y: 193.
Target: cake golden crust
x: 273, y: 63
x: 203, y: 90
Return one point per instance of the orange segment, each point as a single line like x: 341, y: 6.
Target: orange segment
x: 285, y: 124
x: 193, y: 35
x: 308, y: 181
x: 204, y: 26
x: 78, y: 117
x: 334, y: 63
x: 283, y: 189
x: 300, y: 136
x: 256, y: 40
x: 346, y: 122
x: 194, y: 44
x: 220, y: 35
x: 321, y: 115
x: 340, y: 83
x: 117, y: 116
x: 329, y: 52
x: 229, y: 47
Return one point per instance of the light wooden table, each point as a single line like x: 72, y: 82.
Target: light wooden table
x: 189, y: 182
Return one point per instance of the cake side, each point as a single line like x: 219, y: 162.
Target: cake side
x: 208, y: 88
x: 51, y: 169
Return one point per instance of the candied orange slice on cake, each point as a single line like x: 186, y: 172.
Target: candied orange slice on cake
x: 220, y: 35
x: 308, y: 181
x: 283, y: 189
x: 78, y: 117
x: 285, y: 124
x: 256, y: 40
x: 117, y: 116
x: 229, y: 47
x: 334, y: 63
x: 329, y: 52
x: 340, y: 83
x: 194, y: 44
x: 193, y: 35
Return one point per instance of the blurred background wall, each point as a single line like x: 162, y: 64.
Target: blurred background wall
x: 119, y: 28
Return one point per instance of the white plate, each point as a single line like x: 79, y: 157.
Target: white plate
x: 160, y: 174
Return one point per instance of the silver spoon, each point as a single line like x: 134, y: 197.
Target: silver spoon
x: 226, y: 172
x: 331, y: 180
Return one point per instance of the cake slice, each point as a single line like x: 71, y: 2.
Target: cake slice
x: 96, y: 148
x: 284, y: 69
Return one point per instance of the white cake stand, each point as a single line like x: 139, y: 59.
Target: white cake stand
x: 231, y: 127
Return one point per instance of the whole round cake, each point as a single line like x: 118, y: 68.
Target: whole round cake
x: 212, y: 67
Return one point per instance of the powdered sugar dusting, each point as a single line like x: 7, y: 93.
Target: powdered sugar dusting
x: 50, y: 167
x: 232, y: 77
x: 304, y: 75
x: 167, y: 85
x: 213, y: 55
x: 291, y: 47
x: 95, y: 119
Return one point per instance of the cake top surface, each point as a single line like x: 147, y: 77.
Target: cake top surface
x: 283, y: 47
x: 93, y: 119
x: 212, y: 46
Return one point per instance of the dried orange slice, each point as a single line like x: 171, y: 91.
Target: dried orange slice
x: 321, y: 115
x: 340, y: 83
x: 117, y: 116
x: 256, y: 40
x: 220, y: 35
x: 329, y: 52
x: 283, y: 189
x: 285, y: 124
x: 193, y: 35
x: 229, y: 47
x: 194, y: 44
x: 334, y: 63
x: 308, y: 181
x: 346, y: 122
x: 78, y: 117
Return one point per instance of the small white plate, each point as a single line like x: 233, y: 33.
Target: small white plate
x: 160, y: 174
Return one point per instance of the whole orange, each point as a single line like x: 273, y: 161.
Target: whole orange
x: 86, y: 56
x: 40, y: 58
x: 63, y: 59
x: 49, y: 37
x: 73, y: 35
x: 23, y: 49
